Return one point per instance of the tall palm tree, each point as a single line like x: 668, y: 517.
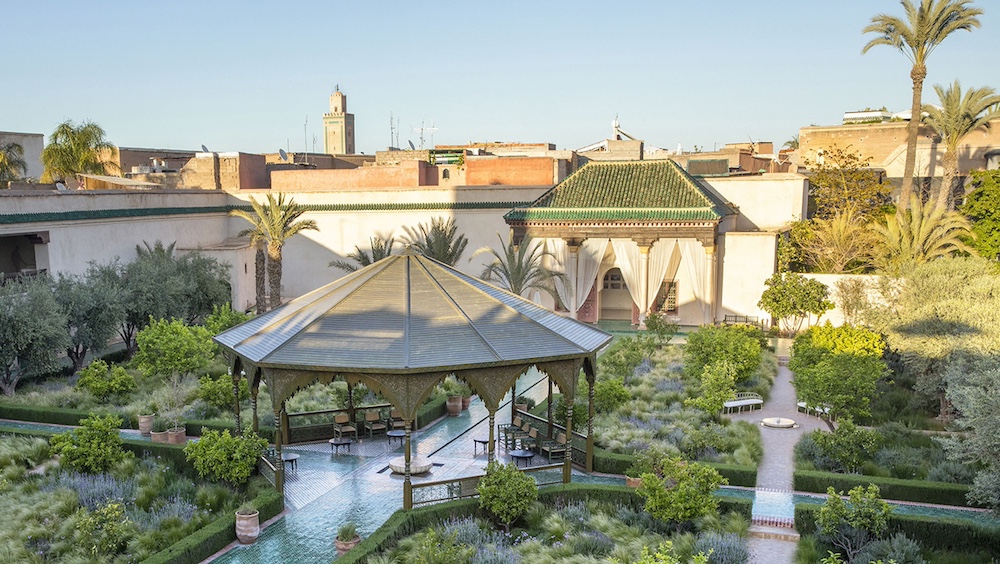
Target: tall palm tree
x: 75, y: 150
x: 12, y: 163
x: 792, y: 143
x: 959, y: 116
x: 519, y: 268
x: 439, y: 240
x: 274, y: 224
x: 381, y: 247
x: 257, y: 239
x: 924, y: 28
x: 920, y: 234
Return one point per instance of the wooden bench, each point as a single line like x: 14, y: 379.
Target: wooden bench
x: 743, y: 399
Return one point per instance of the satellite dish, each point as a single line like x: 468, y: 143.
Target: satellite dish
x: 412, y: 148
x: 283, y: 155
x: 204, y: 149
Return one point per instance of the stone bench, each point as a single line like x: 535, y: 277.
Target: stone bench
x: 743, y: 399
x: 818, y: 411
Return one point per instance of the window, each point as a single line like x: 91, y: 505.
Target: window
x: 613, y: 280
x: 446, y: 174
x: 666, y: 299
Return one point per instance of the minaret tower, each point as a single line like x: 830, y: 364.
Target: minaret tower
x: 338, y: 126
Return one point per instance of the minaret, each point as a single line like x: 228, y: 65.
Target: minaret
x: 338, y: 126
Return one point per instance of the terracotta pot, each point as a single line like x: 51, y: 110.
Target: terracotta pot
x: 145, y: 424
x: 632, y: 482
x: 466, y: 400
x: 177, y: 436
x: 248, y: 527
x: 159, y: 436
x: 454, y: 405
x: 344, y: 546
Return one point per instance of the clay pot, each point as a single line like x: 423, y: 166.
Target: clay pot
x: 248, y: 527
x: 159, y: 436
x: 344, y: 546
x: 145, y: 424
x: 632, y: 482
x: 177, y: 436
x: 466, y: 400
x: 454, y: 405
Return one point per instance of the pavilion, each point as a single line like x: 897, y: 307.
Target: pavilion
x: 400, y: 326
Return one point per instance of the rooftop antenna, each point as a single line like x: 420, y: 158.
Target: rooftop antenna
x: 422, y: 130
x: 283, y: 155
x: 305, y: 138
x: 314, y: 142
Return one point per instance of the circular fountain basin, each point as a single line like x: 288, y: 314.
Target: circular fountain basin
x: 418, y: 465
x: 778, y: 422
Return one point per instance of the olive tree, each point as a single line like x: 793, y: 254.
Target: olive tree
x: 32, y: 330
x: 506, y: 492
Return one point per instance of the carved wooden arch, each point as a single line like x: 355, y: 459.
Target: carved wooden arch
x: 492, y: 384
x: 406, y: 392
x: 564, y: 373
x: 282, y: 383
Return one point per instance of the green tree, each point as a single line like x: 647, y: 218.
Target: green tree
x: 274, y: 224
x: 972, y: 381
x: 924, y: 27
x: 661, y: 328
x: 792, y: 143
x: 842, y: 179
x: 851, y: 525
x: 790, y: 298
x: 105, y: 381
x: 982, y: 207
x: 738, y: 345
x: 438, y: 240
x: 519, y: 268
x: 849, y: 445
x: 171, y: 348
x: 217, y: 455
x: 93, y: 447
x: 718, y: 381
x: 845, y: 383
x: 32, y: 330
x: 224, y: 317
x: 94, y: 311
x: 680, y: 491
x: 206, y: 285
x: 77, y: 149
x: 821, y: 340
x: 920, y: 234
x: 506, y: 492
x: 958, y: 116
x: 12, y: 163
x: 381, y: 247
x: 841, y: 244
x: 851, y: 295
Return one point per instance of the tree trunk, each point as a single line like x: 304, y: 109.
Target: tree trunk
x: 77, y: 354
x: 274, y: 273
x: 950, y: 165
x: 917, y: 74
x: 260, y: 264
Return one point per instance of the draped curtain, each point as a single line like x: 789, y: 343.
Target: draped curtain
x: 693, y: 258
x: 627, y: 254
x: 588, y: 263
x: 559, y: 261
x: 661, y: 255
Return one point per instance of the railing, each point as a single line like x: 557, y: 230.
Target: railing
x: 6, y: 277
x: 579, y: 440
x: 426, y: 493
x: 747, y: 319
x: 268, y: 470
x: 318, y: 425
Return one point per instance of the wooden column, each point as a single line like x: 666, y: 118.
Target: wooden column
x: 407, y: 486
x: 590, y: 424
x: 253, y: 409
x: 279, y: 472
x: 491, y: 453
x: 548, y: 406
x: 350, y: 403
x: 568, y: 460
x: 236, y: 404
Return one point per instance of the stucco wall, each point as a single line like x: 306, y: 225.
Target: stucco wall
x: 748, y: 259
x: 765, y: 202
x: 511, y: 171
x: 32, y: 143
x: 836, y: 315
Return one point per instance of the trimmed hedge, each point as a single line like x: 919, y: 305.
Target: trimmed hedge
x: 941, y: 493
x: 941, y: 533
x: 431, y: 411
x: 616, y: 463
x: 216, y: 535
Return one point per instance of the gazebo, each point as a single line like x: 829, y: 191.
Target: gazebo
x: 400, y: 326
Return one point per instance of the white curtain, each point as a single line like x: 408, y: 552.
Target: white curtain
x: 661, y: 255
x: 588, y: 263
x: 693, y: 259
x: 559, y: 261
x: 627, y: 255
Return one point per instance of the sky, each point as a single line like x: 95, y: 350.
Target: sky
x: 256, y: 76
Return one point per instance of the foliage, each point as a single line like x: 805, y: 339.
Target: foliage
x: 168, y: 348
x: 790, y: 298
x: 921, y: 491
x: 347, y: 532
x: 718, y: 381
x: 105, y: 381
x: 206, y: 284
x: 438, y: 240
x: 839, y: 244
x: 898, y: 548
x: 920, y: 234
x: 664, y: 555
x: 821, y: 340
x: 849, y: 445
x: 851, y: 525
x: 521, y: 267
x: 845, y: 383
x: 224, y: 317
x: 96, y: 446
x: 679, y: 491
x: 851, y: 296
x: 843, y: 180
x: 381, y: 247
x: 660, y: 327
x: 621, y: 359
x: 78, y: 149
x: 982, y: 207
x: 106, y: 529
x: 972, y: 389
x: 32, y: 330
x: 94, y: 310
x: 739, y: 345
x: 218, y: 392
x: 223, y: 457
x: 12, y: 163
x: 609, y: 394
x: 506, y: 492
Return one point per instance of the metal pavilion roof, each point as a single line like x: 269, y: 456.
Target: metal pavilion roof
x: 408, y: 314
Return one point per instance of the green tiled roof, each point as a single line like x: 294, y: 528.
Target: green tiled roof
x: 623, y: 191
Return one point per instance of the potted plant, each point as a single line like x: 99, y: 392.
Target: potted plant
x: 176, y: 434
x: 159, y: 432
x: 347, y: 538
x: 451, y: 389
x: 466, y: 393
x: 247, y: 523
x: 146, y: 416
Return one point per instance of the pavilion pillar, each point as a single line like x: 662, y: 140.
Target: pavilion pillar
x: 491, y: 451
x: 590, y: 424
x: 643, y: 282
x: 236, y: 403
x: 572, y: 273
x: 710, y: 282
x: 350, y: 402
x: 279, y: 472
x: 568, y: 459
x: 407, y: 485
x: 253, y: 409
x: 548, y: 407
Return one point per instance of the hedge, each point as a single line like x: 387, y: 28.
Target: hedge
x: 216, y: 535
x: 941, y: 493
x: 615, y: 463
x: 941, y: 533
x: 430, y: 411
x: 404, y: 523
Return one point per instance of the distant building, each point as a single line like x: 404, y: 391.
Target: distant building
x: 32, y: 143
x: 338, y: 127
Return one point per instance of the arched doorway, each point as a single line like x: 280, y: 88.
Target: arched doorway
x: 616, y: 303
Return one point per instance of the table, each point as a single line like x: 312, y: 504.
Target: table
x: 291, y: 459
x: 519, y: 455
x: 396, y: 434
x: 335, y: 444
x: 476, y: 441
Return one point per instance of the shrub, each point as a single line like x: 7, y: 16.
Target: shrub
x: 172, y: 348
x: 609, y: 394
x: 680, y: 491
x: 725, y: 548
x: 219, y: 392
x: 892, y: 488
x: 711, y: 343
x: 849, y: 526
x: 898, y: 548
x: 107, y: 529
x: 717, y: 387
x: 506, y: 492
x: 104, y: 381
x: 848, y: 445
x: 224, y: 317
x: 220, y: 456
x: 94, y: 447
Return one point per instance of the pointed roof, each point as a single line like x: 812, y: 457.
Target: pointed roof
x: 624, y: 191
x: 406, y: 314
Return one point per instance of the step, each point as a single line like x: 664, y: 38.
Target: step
x: 776, y: 533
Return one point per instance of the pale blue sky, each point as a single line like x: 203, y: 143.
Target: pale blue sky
x: 244, y: 75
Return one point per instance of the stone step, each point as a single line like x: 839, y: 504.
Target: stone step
x: 776, y: 533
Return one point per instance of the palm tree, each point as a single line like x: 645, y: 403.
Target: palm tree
x: 273, y: 224
x: 793, y: 143
x: 840, y: 244
x: 920, y: 234
x: 926, y: 25
x: 74, y: 150
x: 381, y: 248
x: 959, y: 116
x: 519, y: 268
x: 439, y: 240
x: 12, y: 163
x: 257, y: 238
